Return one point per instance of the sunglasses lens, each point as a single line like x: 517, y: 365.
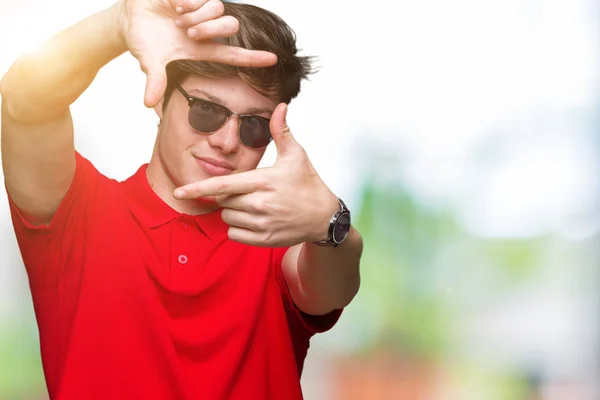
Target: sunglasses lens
x: 255, y: 132
x: 207, y: 117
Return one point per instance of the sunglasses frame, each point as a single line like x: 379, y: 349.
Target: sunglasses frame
x: 193, y: 99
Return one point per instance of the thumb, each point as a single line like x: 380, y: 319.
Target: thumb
x: 282, y: 136
x: 156, y: 84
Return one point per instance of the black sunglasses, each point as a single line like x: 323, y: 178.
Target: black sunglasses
x: 208, y: 117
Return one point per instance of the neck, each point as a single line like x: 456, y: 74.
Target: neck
x: 162, y: 184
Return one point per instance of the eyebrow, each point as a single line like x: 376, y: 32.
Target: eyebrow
x: 215, y: 99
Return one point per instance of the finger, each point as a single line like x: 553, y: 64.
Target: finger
x: 242, y: 219
x: 246, y: 236
x: 234, y: 201
x: 209, y: 11
x: 156, y: 83
x: 183, y: 6
x: 216, y: 28
x: 282, y: 136
x: 232, y: 55
x: 246, y: 182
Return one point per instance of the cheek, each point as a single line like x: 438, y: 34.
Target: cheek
x: 177, y: 136
x: 250, y: 159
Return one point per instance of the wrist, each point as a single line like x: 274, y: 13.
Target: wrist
x: 337, y: 226
x: 117, y: 26
x: 320, y: 231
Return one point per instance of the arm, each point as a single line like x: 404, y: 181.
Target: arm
x: 38, y: 154
x: 288, y: 205
x: 323, y: 279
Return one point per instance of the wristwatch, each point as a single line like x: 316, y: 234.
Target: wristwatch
x: 339, y: 227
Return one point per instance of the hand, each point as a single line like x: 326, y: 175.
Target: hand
x: 282, y: 205
x: 150, y: 32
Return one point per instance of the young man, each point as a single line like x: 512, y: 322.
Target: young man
x: 200, y: 276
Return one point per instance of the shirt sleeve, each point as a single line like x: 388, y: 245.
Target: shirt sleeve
x: 45, y: 249
x: 311, y: 324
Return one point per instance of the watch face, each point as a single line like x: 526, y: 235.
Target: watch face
x: 342, y: 227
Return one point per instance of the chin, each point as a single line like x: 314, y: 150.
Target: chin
x: 193, y: 174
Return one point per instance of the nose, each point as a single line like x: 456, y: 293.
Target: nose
x: 226, y: 138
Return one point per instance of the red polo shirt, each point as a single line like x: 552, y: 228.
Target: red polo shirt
x: 136, y: 301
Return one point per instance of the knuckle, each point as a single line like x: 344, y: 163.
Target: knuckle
x: 222, y: 188
x: 191, y: 5
x: 209, y: 11
x: 264, y: 184
x: 267, y: 238
x: 224, y: 26
x: 234, y: 56
x: 217, y: 7
x: 229, y: 25
x: 261, y: 225
x: 186, y: 20
x: 262, y: 205
x: 203, y: 32
x: 185, y: 4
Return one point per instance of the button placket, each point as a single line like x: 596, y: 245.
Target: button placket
x: 185, y: 254
x: 184, y: 222
x: 180, y: 234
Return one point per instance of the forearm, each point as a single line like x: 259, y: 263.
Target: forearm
x: 45, y: 82
x: 329, y: 277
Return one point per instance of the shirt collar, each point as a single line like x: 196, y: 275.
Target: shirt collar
x: 152, y: 212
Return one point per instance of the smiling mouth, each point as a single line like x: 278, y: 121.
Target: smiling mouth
x: 214, y: 168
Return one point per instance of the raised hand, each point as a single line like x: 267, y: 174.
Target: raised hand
x: 157, y: 32
x: 282, y: 205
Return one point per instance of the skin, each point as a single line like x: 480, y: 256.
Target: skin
x: 286, y: 204
x: 178, y: 146
x: 38, y: 152
x: 159, y: 31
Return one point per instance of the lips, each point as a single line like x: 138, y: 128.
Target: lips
x: 215, y: 167
x: 222, y: 164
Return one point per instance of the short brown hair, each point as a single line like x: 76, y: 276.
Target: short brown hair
x: 260, y: 29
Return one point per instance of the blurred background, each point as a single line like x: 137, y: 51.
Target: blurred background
x: 465, y: 138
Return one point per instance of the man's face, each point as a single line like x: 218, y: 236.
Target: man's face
x: 188, y: 155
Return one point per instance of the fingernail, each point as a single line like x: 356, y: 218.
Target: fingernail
x: 178, y: 23
x: 192, y: 33
x: 179, y: 9
x: 179, y: 193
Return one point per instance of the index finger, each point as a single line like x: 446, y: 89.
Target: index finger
x: 183, y: 6
x: 232, y: 55
x: 246, y: 182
